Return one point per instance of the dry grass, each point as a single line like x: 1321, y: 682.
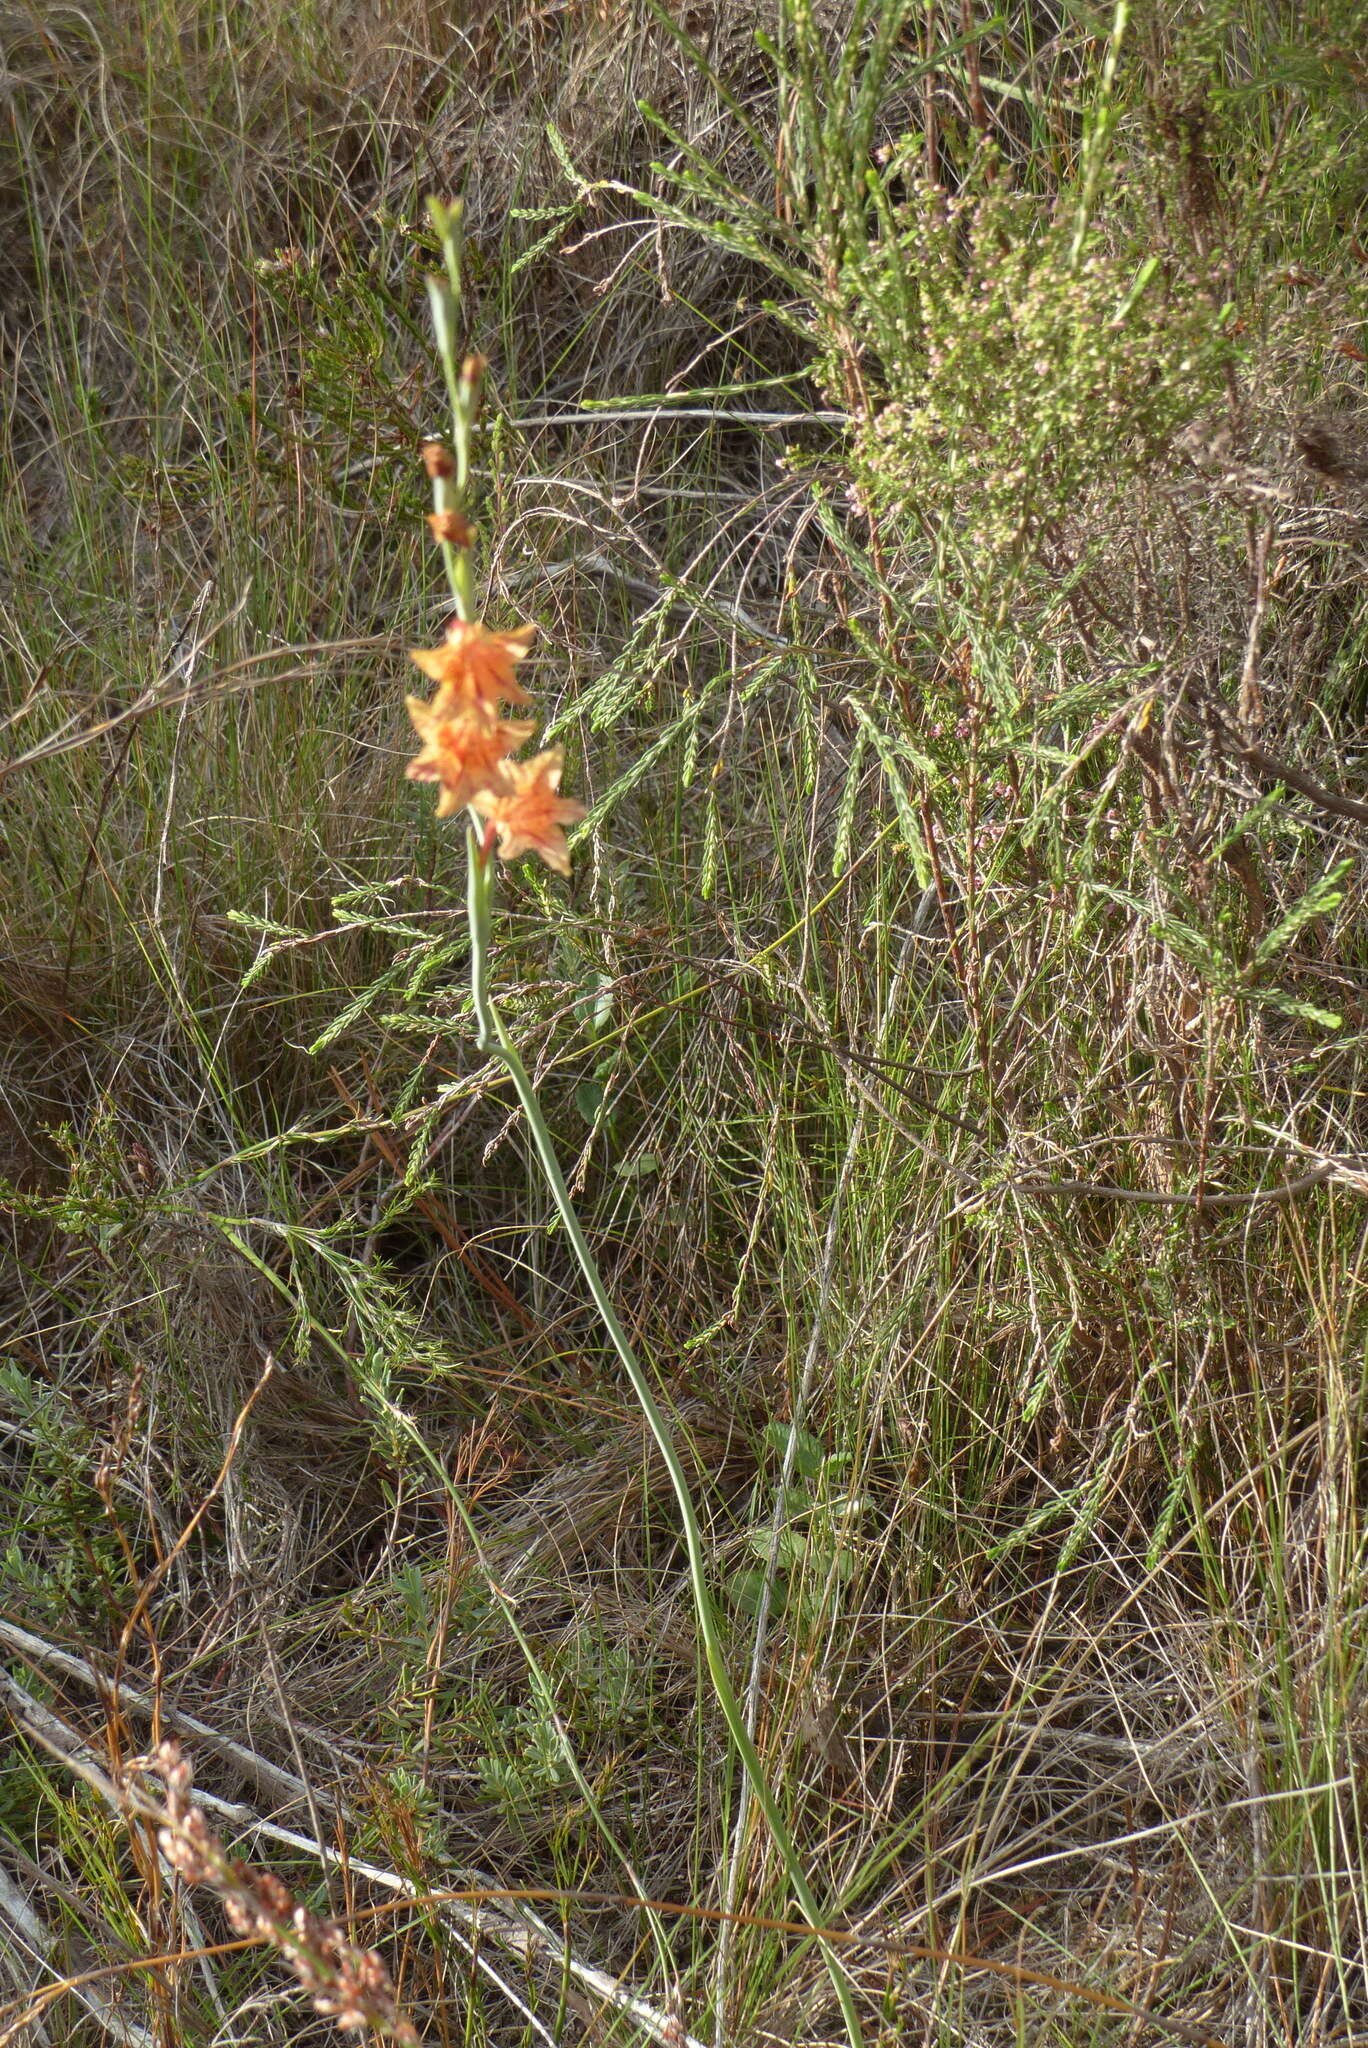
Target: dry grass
x: 954, y: 1026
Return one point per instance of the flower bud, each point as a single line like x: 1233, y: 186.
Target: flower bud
x: 453, y: 527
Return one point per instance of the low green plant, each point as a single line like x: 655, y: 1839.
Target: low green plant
x: 807, y: 1540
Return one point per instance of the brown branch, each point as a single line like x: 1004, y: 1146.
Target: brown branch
x: 1271, y: 769
x: 1279, y: 771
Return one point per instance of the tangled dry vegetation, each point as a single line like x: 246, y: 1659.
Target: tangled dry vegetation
x: 935, y: 454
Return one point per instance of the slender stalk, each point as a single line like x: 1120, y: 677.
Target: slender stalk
x: 1100, y: 128
x: 765, y: 1604
x: 493, y: 1038
x: 449, y: 494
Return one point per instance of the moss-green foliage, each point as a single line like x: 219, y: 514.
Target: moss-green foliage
x: 1020, y: 371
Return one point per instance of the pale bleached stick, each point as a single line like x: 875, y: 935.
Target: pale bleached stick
x: 526, y: 1936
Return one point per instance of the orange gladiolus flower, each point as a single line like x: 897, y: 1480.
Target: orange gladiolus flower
x: 473, y: 668
x: 465, y: 753
x: 525, y: 811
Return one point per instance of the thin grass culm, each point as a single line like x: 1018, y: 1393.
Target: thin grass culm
x: 469, y: 750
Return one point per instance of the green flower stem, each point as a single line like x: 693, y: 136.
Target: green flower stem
x: 449, y: 493
x: 1100, y: 128
x: 492, y: 1037
x: 444, y: 296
